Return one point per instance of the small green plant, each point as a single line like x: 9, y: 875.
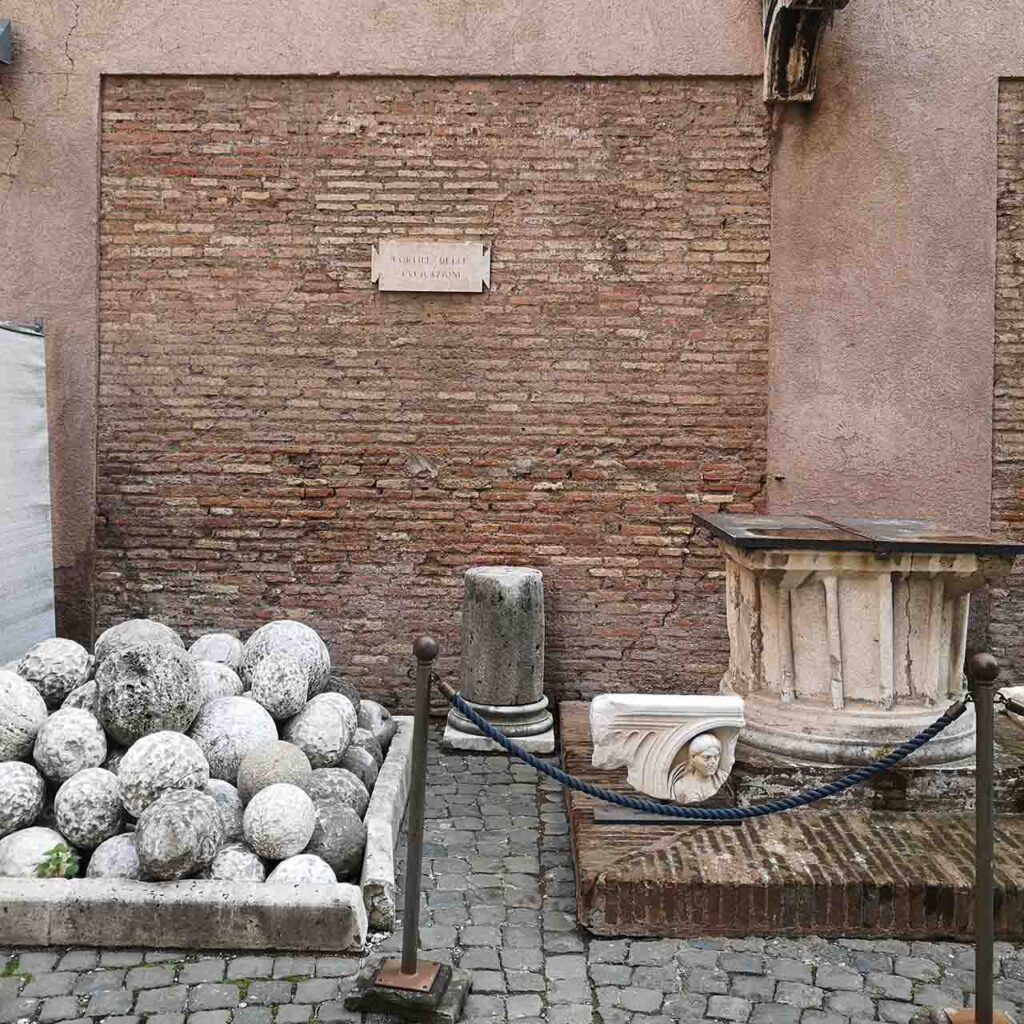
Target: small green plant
x: 243, y: 988
x: 59, y: 862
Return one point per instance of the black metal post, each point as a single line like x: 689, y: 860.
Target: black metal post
x: 425, y: 649
x: 982, y: 671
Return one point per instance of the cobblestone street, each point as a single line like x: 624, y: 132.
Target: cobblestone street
x: 499, y: 901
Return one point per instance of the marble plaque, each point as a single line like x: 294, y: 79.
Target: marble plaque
x: 401, y: 265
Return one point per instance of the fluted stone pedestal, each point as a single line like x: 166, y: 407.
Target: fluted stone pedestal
x: 847, y: 636
x: 502, y: 663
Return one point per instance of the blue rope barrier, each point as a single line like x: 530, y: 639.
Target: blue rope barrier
x: 788, y: 803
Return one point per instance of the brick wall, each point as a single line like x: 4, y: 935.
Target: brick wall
x: 277, y: 438
x: 1006, y: 623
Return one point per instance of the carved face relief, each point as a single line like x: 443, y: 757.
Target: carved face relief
x: 705, y: 762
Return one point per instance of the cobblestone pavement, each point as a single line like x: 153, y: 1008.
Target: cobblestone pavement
x: 498, y: 887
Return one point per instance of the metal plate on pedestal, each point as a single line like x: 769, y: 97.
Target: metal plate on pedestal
x: 883, y: 536
x: 389, y: 975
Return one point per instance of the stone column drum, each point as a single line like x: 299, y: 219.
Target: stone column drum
x: 847, y: 636
x: 502, y: 662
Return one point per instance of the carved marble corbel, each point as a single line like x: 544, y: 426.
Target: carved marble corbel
x: 678, y: 748
x: 793, y: 30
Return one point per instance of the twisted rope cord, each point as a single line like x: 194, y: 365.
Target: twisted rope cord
x: 787, y: 803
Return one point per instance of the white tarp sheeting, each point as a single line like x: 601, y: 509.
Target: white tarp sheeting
x: 26, y: 548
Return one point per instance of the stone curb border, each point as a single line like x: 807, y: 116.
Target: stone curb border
x: 211, y: 914
x: 383, y: 821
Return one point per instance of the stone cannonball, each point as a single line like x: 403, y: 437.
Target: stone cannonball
x: 157, y: 763
x: 377, y: 719
x: 235, y: 862
x: 303, y: 868
x: 339, y: 836
x: 132, y: 633
x: 321, y: 730
x: 227, y: 729
x: 22, y: 713
x: 145, y: 689
x: 272, y: 762
x: 360, y: 763
x: 218, y: 680
x: 115, y: 858
x: 178, y: 835
x: 280, y: 683
x: 55, y: 668
x: 22, y: 794
x: 86, y: 697
x: 22, y: 853
x: 68, y: 741
x: 343, y: 706
x: 220, y: 647
x: 336, y: 684
x: 229, y: 801
x: 367, y: 741
x: 279, y: 821
x: 88, y: 808
x: 293, y: 638
x: 340, y: 783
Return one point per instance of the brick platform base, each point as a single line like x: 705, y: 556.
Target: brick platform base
x: 852, y: 872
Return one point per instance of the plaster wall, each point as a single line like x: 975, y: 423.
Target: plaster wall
x: 883, y: 239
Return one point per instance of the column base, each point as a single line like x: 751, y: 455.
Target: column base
x: 456, y: 739
x: 814, y: 733
x: 530, y: 725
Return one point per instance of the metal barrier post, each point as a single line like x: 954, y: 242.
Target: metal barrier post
x: 982, y: 670
x: 425, y: 650
x: 410, y: 988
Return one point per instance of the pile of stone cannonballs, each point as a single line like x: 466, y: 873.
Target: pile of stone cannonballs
x: 241, y: 762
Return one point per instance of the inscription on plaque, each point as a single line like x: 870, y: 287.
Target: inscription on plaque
x: 400, y: 265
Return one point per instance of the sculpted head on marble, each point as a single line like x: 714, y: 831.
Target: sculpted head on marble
x: 698, y: 776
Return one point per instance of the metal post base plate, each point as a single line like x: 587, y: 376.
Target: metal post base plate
x: 389, y: 975
x: 442, y: 1003
x: 967, y: 1017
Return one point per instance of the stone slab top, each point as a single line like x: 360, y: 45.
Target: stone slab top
x: 842, y: 533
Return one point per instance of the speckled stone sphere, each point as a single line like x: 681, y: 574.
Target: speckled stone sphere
x: 280, y: 683
x: 88, y: 808
x: 227, y: 729
x: 218, y: 680
x: 339, y: 836
x: 68, y: 741
x: 279, y: 821
x: 157, y: 763
x: 360, y: 763
x: 148, y: 688
x: 272, y: 762
x: 55, y: 668
x: 293, y: 638
x: 22, y: 793
x: 22, y: 713
x: 86, y: 697
x: 365, y: 739
x: 21, y: 853
x: 336, y: 684
x: 178, y: 835
x: 235, y: 862
x: 302, y: 869
x: 220, y: 647
x: 377, y: 719
x: 341, y: 783
x: 230, y: 803
x: 321, y: 730
x: 344, y: 707
x: 132, y: 633
x: 115, y: 858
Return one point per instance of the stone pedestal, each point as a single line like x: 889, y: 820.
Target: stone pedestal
x: 846, y: 637
x: 502, y: 662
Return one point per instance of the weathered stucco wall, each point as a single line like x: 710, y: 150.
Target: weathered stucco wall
x: 883, y: 234
x: 49, y: 138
